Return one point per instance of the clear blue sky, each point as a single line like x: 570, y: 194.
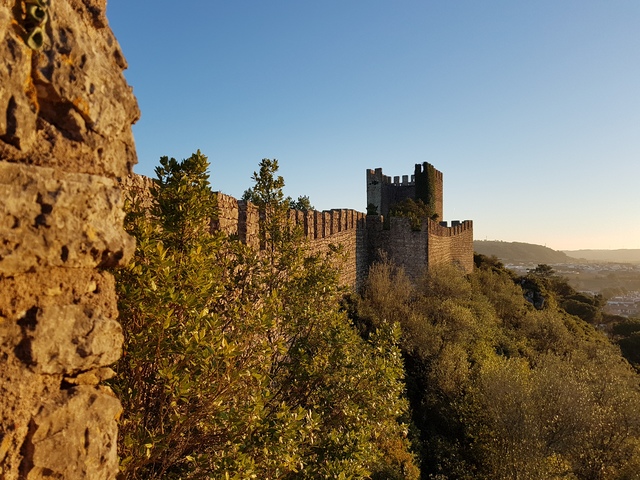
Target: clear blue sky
x: 531, y: 109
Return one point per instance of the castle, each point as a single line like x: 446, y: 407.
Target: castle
x: 435, y: 242
x: 365, y: 236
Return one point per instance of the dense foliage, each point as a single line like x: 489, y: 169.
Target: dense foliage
x: 414, y: 210
x: 626, y: 333
x: 241, y: 364
x: 503, y: 382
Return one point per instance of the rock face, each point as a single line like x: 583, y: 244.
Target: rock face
x: 65, y: 141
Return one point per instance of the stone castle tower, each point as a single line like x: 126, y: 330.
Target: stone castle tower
x: 434, y: 243
x: 425, y: 184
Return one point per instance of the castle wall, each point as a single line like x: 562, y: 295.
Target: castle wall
x: 401, y: 246
x: 344, y: 228
x: 65, y: 139
x: 413, y: 250
x: 320, y: 229
x: 228, y: 216
x: 451, y: 245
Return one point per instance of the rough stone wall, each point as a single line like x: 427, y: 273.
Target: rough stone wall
x: 345, y: 228
x: 451, y: 245
x: 228, y: 214
x: 322, y: 230
x: 402, y: 246
x: 249, y: 224
x: 65, y: 138
x: 383, y: 191
x: 138, y: 187
x: 433, y: 244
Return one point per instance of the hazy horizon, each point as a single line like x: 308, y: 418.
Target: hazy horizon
x: 530, y: 110
x: 562, y: 250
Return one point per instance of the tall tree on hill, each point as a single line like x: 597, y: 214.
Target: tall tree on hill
x: 192, y: 376
x: 272, y: 204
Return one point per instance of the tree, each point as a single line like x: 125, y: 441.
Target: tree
x: 302, y: 203
x: 267, y: 188
x: 542, y: 270
x: 273, y: 206
x: 192, y: 378
x: 414, y: 210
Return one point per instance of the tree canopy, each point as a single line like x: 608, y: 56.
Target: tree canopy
x: 502, y: 388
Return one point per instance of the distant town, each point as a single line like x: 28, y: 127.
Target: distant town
x: 619, y: 283
x: 614, y: 274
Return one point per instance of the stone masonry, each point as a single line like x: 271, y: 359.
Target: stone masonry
x: 65, y: 140
x: 321, y: 229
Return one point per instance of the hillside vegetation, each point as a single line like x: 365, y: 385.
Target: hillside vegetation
x: 241, y: 364
x: 503, y: 382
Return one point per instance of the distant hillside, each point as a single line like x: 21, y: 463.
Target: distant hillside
x: 631, y: 255
x: 518, y: 252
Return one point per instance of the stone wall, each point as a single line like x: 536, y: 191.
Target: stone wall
x: 65, y: 138
x: 414, y: 250
x: 321, y: 229
x: 345, y: 228
x: 451, y: 245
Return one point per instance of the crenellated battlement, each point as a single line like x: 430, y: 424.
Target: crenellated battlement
x: 424, y: 169
x: 240, y: 218
x: 457, y: 227
x: 384, y: 191
x: 377, y: 176
x: 321, y: 229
